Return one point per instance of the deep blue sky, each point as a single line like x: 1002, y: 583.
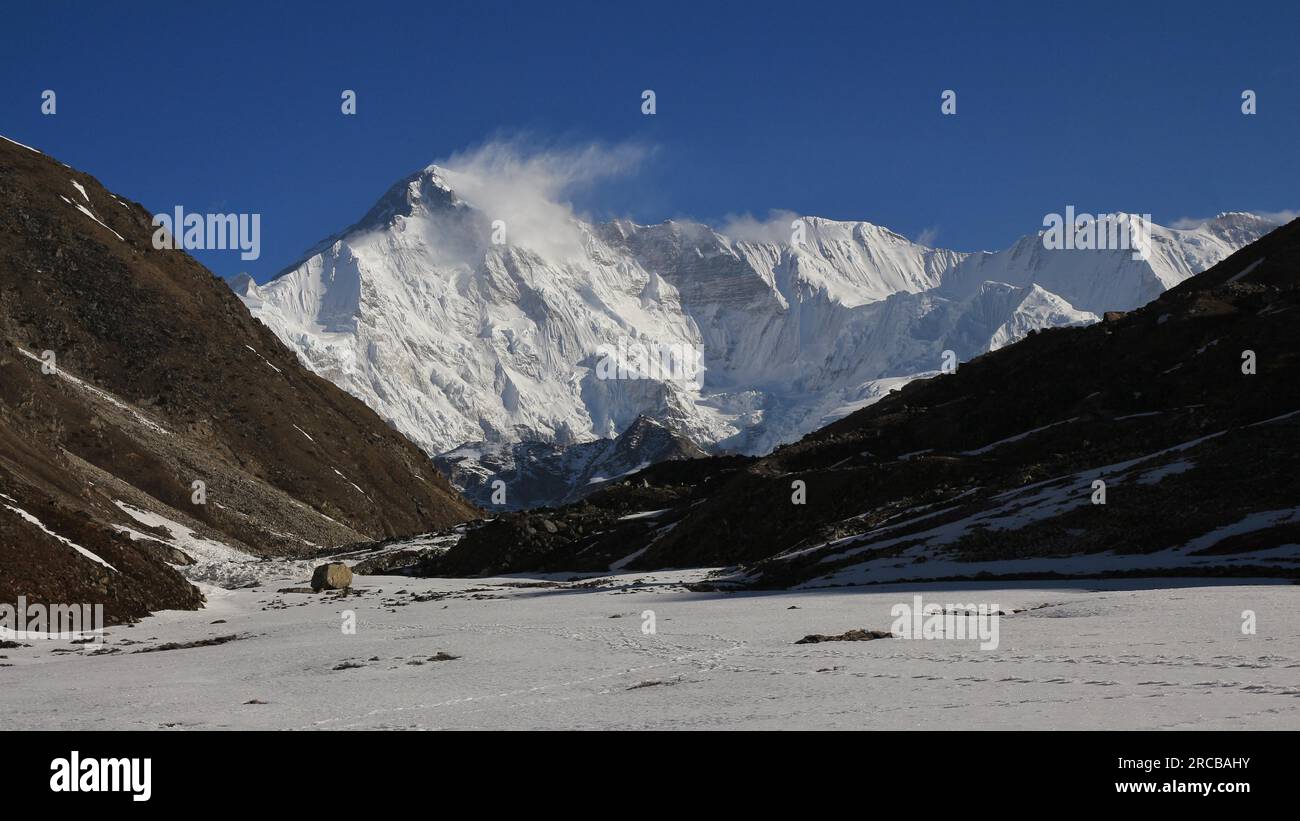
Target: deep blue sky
x: 821, y: 108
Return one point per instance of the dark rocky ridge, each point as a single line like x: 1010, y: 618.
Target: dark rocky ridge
x: 178, y: 383
x: 949, y: 450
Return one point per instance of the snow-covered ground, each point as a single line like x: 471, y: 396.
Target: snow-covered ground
x: 540, y: 653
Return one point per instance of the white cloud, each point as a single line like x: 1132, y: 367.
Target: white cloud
x: 928, y: 236
x: 748, y: 228
x: 527, y: 187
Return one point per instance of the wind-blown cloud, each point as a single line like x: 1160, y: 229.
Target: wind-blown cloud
x: 928, y: 236
x: 527, y: 187
x: 748, y: 228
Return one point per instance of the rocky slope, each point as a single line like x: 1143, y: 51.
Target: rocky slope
x: 458, y: 329
x: 993, y: 470
x: 127, y: 374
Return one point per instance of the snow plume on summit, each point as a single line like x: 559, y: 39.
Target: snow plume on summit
x: 526, y: 188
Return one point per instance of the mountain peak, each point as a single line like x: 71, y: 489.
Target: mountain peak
x: 454, y: 338
x: 436, y: 175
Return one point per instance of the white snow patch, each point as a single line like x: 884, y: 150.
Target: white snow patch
x: 102, y: 394
x: 1259, y: 520
x: 264, y: 359
x: 1016, y: 438
x: 20, y: 145
x: 1247, y: 269
x: 83, y: 209
x: 350, y: 482
x: 648, y: 514
x: 598, y: 479
x: 1137, y: 415
x: 30, y: 519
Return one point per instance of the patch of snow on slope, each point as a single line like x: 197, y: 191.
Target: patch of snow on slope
x: 20, y: 145
x: 350, y: 482
x: 1016, y: 438
x: 1247, y: 270
x: 101, y: 394
x: 83, y: 209
x: 1259, y: 520
x: 214, y: 562
x: 30, y: 519
x: 1010, y: 510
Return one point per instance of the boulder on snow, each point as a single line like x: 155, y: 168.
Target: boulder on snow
x: 332, y: 576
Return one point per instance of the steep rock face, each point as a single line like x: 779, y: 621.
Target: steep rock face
x: 156, y: 377
x: 455, y: 338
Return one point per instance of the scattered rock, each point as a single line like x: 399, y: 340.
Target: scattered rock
x: 186, y: 645
x: 852, y: 635
x: 650, y: 683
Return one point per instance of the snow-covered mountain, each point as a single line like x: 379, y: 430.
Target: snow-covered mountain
x: 461, y: 320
